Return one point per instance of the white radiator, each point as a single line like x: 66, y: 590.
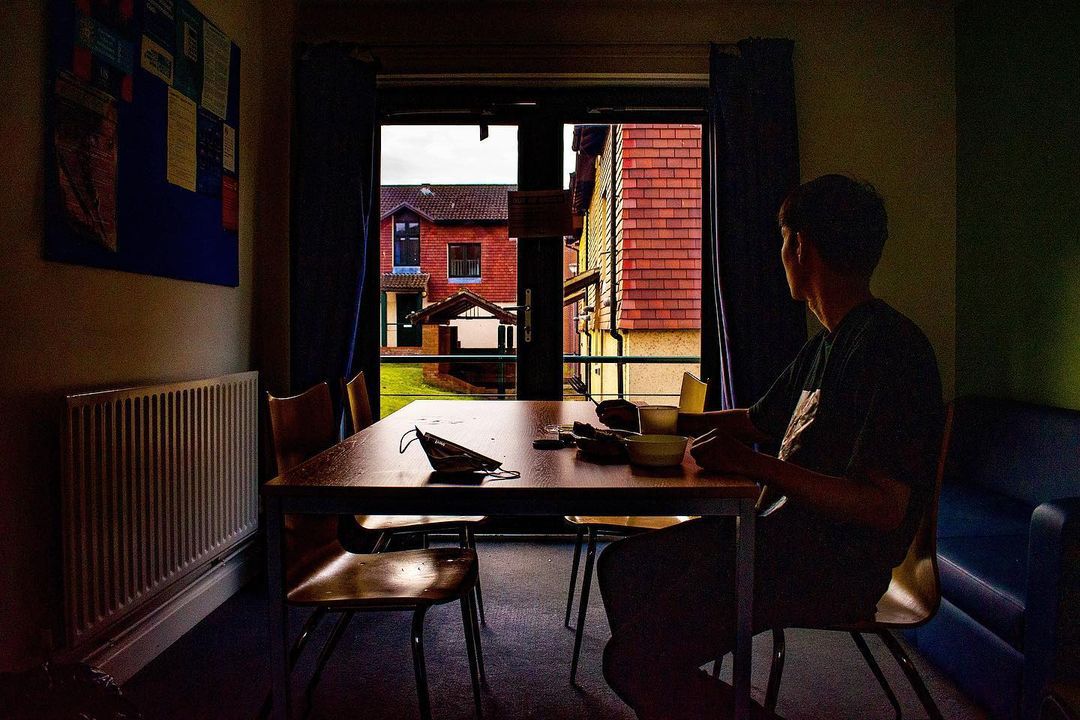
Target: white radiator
x: 159, y: 483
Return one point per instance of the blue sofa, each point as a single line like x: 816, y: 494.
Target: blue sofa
x: 1009, y: 555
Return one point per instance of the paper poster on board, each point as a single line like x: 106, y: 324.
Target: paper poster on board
x: 181, y: 140
x: 230, y: 203
x: 187, y: 65
x: 215, y: 69
x: 156, y: 60
x: 228, y: 148
x: 208, y: 167
x: 84, y: 140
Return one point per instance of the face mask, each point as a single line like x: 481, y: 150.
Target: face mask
x: 449, y: 457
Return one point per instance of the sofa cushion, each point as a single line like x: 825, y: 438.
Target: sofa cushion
x: 985, y: 577
x: 1025, y: 451
x: 967, y: 511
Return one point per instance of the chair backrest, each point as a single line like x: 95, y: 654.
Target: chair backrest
x: 692, y: 394
x: 915, y: 581
x: 356, y: 398
x: 302, y: 426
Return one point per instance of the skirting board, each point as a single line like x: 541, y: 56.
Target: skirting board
x: 131, y: 651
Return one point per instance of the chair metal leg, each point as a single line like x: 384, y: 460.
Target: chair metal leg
x: 479, y: 642
x: 326, y: 652
x: 470, y: 646
x: 717, y: 666
x: 912, y: 674
x: 583, y: 606
x: 776, y: 671
x: 418, y: 662
x: 573, y: 574
x: 876, y: 669
x: 294, y: 652
x: 471, y: 540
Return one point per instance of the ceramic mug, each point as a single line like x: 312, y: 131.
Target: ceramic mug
x: 658, y: 419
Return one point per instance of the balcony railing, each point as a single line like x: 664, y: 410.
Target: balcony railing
x: 500, y: 374
x: 464, y: 268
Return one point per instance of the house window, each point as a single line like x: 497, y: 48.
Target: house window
x: 406, y: 242
x: 463, y: 261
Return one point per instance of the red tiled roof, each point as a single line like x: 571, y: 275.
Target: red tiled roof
x: 396, y: 282
x: 442, y: 203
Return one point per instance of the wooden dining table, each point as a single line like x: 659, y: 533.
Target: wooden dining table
x: 366, y: 474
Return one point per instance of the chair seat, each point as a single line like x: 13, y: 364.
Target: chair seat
x: 409, y: 578
x: 400, y: 523
x: 635, y: 522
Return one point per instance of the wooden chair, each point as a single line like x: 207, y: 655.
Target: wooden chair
x: 691, y: 400
x: 322, y: 575
x: 911, y: 600
x: 355, y: 396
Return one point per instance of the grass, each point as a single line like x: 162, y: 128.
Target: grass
x: 407, y: 379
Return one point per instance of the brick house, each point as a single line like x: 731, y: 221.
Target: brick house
x: 435, y: 241
x: 655, y: 226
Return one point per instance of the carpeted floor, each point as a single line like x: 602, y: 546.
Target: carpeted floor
x: 219, y: 669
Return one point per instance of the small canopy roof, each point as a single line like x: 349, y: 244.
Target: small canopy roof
x: 404, y: 282
x: 574, y: 288
x: 443, y: 311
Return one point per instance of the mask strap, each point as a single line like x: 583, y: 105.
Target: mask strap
x: 416, y: 436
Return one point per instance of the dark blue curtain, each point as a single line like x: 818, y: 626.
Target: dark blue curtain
x: 751, y: 329
x: 334, y: 243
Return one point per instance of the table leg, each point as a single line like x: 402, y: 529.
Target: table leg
x: 275, y: 577
x: 744, y: 633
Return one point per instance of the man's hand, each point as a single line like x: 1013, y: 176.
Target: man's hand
x: 721, y: 452
x: 618, y: 414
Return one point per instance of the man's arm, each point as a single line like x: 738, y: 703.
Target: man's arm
x: 736, y: 423
x: 879, y: 501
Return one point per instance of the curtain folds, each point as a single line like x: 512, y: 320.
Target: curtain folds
x: 334, y: 250
x: 751, y: 328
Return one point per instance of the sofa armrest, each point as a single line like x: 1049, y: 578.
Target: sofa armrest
x: 1052, y: 610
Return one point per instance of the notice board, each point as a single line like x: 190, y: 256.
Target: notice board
x: 142, y: 140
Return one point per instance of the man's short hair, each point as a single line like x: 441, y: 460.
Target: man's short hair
x: 844, y: 218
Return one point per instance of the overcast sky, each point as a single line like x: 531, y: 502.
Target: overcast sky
x: 414, y: 154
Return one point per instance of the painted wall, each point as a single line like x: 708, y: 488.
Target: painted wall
x: 874, y: 83
x: 666, y: 380
x: 1018, y: 201
x: 66, y: 328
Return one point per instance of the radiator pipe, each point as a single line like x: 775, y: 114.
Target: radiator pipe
x: 613, y: 329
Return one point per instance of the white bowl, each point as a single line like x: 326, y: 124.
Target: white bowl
x: 656, y: 450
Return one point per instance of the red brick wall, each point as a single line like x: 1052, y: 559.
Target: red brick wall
x: 661, y: 227
x: 498, y: 259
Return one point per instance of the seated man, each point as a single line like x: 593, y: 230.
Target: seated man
x: 858, y: 415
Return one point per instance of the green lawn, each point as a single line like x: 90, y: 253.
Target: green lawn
x: 407, y: 379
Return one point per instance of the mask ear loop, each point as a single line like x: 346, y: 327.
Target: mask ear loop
x: 503, y: 474
x: 416, y: 436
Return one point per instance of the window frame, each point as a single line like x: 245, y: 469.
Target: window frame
x: 465, y: 279
x: 406, y: 219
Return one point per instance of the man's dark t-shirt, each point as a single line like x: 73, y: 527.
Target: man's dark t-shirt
x: 861, y: 401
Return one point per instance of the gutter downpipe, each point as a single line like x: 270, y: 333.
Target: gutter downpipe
x: 613, y: 329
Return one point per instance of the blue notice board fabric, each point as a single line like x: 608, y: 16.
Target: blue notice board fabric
x: 161, y: 229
